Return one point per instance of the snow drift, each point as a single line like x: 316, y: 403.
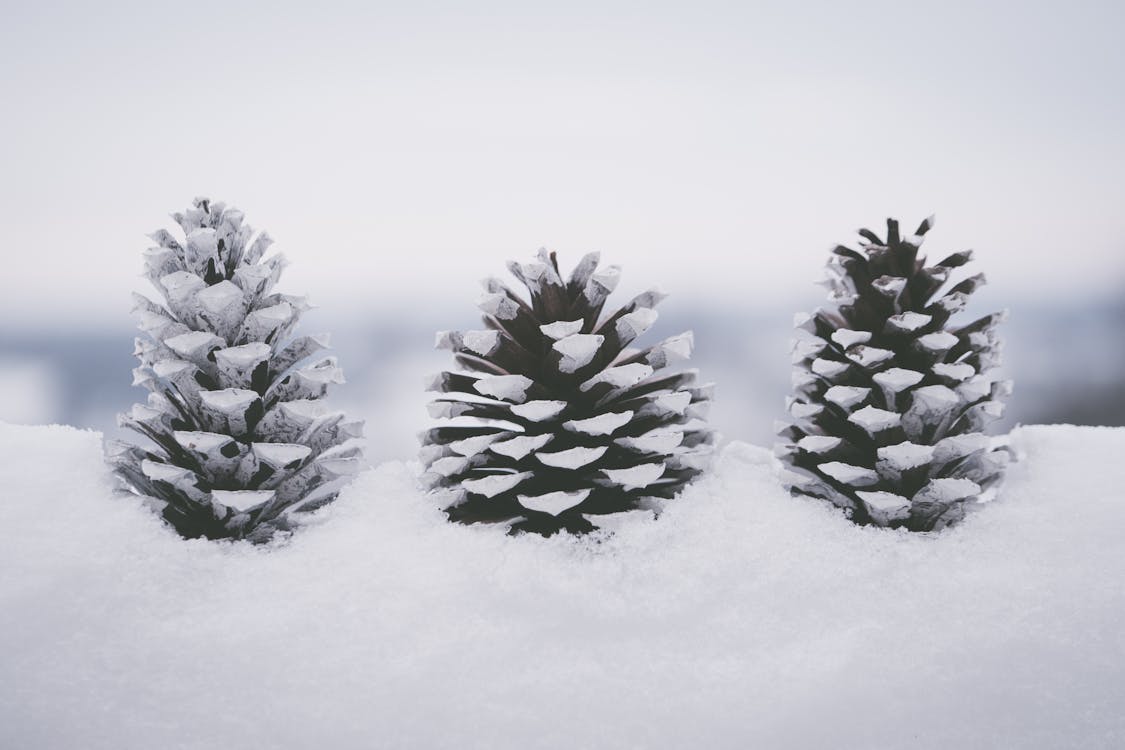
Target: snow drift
x: 741, y: 618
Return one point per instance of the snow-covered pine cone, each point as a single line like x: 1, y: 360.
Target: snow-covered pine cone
x: 243, y: 440
x: 891, y: 401
x: 563, y: 421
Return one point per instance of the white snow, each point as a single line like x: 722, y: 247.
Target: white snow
x: 897, y: 379
x: 846, y: 337
x: 572, y: 458
x: 829, y: 368
x: 538, y: 411
x: 874, y: 419
x: 498, y: 305
x: 278, y: 455
x: 660, y: 440
x: 621, y: 376
x: 553, y: 502
x: 856, y: 476
x: 518, y: 447
x: 481, y: 342
x: 577, y: 350
x: 243, y: 499
x: 908, y: 321
x: 474, y: 445
x: 906, y: 455
x: 818, y: 443
x: 885, y: 507
x: 492, y: 486
x: 603, y: 424
x: 194, y: 345
x: 869, y: 356
x: 937, y: 342
x: 631, y: 325
x: 635, y: 477
x: 562, y: 328
x: 741, y: 618
x: 505, y: 387
x: 846, y: 396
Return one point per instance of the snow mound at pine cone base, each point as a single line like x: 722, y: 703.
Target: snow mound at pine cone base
x: 741, y: 618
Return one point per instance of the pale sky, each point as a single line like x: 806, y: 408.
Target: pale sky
x: 398, y: 153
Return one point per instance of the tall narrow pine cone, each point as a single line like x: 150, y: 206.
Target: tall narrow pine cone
x: 556, y: 419
x: 891, y: 400
x: 242, y: 439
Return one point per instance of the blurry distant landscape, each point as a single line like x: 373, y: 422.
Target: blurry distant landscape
x: 1066, y: 359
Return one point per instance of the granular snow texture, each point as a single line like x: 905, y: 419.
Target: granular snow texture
x: 742, y: 618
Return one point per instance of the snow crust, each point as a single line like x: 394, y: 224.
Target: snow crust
x: 741, y: 618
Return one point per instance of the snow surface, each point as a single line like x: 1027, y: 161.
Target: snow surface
x: 742, y: 618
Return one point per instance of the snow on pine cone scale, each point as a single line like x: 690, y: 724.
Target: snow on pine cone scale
x: 556, y: 418
x: 243, y: 441
x: 891, y: 401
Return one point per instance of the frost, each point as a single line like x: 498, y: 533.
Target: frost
x: 505, y: 387
x: 603, y: 424
x: 538, y: 411
x: 636, y: 477
x: 574, y: 458
x: 848, y: 338
x: 553, y: 502
x: 577, y: 350
x: 846, y: 396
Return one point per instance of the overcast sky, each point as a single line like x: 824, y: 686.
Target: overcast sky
x: 401, y: 152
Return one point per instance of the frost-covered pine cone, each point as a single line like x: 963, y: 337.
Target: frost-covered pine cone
x: 563, y: 421
x: 891, y: 401
x: 243, y: 440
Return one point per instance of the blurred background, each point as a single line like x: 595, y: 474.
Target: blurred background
x: 399, y: 153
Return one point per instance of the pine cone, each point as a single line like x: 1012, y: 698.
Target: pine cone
x: 243, y: 441
x: 890, y: 400
x: 564, y: 421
